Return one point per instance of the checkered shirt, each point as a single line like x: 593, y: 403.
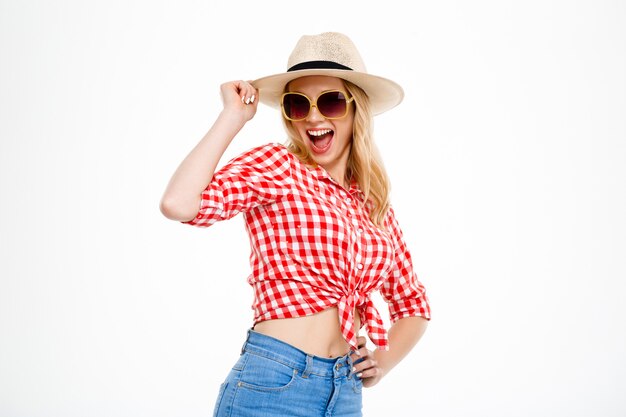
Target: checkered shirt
x: 313, y: 245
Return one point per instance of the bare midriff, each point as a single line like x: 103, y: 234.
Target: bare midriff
x: 318, y: 334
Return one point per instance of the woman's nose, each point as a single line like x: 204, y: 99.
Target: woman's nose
x: 314, y: 114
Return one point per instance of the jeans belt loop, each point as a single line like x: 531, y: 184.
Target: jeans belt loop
x: 350, y: 363
x: 307, y: 369
x: 245, y: 343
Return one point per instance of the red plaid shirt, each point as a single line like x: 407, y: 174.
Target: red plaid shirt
x: 313, y: 244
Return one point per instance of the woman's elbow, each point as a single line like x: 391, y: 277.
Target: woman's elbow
x: 174, y: 209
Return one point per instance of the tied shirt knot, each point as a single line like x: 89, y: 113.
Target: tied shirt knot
x: 369, y: 316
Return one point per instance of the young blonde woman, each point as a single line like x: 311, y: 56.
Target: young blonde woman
x: 322, y: 233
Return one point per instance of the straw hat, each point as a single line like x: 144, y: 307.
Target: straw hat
x: 332, y: 54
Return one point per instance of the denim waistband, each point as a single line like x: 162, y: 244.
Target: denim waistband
x: 306, y: 364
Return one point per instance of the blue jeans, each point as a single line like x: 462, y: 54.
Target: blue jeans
x: 274, y: 379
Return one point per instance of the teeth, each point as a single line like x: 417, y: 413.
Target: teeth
x: 318, y: 132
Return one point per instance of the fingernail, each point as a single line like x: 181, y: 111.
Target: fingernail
x: 359, y: 374
x: 252, y: 99
x: 358, y: 353
x: 353, y: 369
x: 247, y: 101
x: 243, y: 98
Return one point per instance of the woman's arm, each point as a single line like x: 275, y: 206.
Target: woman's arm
x: 182, y: 196
x: 403, y: 336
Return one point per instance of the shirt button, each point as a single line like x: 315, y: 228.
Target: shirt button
x: 359, y: 266
x: 316, y: 188
x: 348, y: 200
x: 360, y: 231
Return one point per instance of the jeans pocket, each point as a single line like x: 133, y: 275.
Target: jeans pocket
x: 265, y: 374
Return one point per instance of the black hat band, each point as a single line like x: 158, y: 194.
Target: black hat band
x: 318, y: 65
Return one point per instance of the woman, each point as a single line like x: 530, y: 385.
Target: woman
x: 322, y: 233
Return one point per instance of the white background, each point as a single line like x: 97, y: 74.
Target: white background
x: 507, y: 161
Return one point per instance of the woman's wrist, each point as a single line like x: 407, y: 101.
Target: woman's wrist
x: 233, y: 118
x: 383, y: 364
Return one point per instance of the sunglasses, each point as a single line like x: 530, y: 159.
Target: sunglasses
x: 331, y: 104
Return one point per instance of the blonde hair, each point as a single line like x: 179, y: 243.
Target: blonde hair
x: 365, y: 165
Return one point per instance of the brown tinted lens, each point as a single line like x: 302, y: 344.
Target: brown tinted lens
x: 332, y: 104
x: 296, y: 106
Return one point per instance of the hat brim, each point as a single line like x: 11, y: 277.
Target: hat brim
x: 383, y: 93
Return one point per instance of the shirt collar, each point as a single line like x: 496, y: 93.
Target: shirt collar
x: 320, y: 173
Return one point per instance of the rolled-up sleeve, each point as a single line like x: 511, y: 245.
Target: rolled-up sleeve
x: 402, y: 290
x: 257, y: 177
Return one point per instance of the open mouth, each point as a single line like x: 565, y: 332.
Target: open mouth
x: 321, y: 139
